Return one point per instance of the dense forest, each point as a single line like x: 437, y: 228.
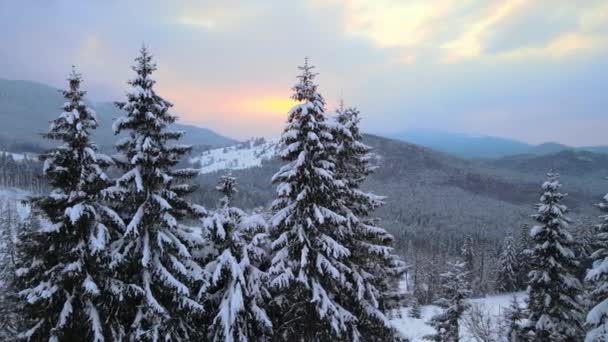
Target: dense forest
x: 139, y: 246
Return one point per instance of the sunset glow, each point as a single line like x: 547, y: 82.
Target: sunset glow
x: 407, y: 64
x: 268, y: 105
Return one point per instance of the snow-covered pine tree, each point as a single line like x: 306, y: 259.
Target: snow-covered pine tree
x: 513, y: 316
x: 8, y: 265
x: 456, y: 290
x: 524, y: 242
x: 309, y: 270
x: 62, y: 279
x: 597, y: 277
x: 236, y: 296
x: 467, y: 251
x: 555, y: 312
x: 415, y: 309
x: 507, y: 273
x: 152, y: 257
x: 375, y: 270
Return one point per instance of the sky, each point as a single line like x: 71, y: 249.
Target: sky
x: 532, y: 70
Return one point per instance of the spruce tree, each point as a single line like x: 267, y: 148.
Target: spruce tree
x: 62, y: 277
x: 513, y: 315
x: 310, y: 266
x: 235, y: 299
x: 467, y: 251
x: 151, y: 257
x: 524, y: 242
x: 456, y: 290
x: 9, y: 324
x: 597, y: 277
x: 375, y: 270
x: 507, y: 273
x: 555, y: 312
x: 415, y: 309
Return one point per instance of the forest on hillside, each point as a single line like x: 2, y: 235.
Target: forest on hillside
x: 139, y: 246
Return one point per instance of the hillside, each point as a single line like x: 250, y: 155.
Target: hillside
x: 483, y: 146
x: 27, y: 107
x: 427, y: 191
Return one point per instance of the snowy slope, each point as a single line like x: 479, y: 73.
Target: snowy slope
x: 13, y: 194
x: 242, y: 156
x: 415, y: 329
x: 20, y: 156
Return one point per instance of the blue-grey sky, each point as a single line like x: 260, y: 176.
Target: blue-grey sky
x: 531, y: 70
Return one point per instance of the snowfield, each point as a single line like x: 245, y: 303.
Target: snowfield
x: 20, y: 156
x: 242, y: 156
x: 13, y: 194
x: 415, y: 329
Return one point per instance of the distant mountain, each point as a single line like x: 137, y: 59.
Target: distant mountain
x: 27, y: 107
x: 426, y: 189
x: 566, y: 162
x: 481, y: 146
x: 548, y: 148
x: 194, y: 135
x: 464, y: 145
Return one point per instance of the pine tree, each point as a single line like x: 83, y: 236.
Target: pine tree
x: 376, y: 271
x: 415, y: 310
x: 597, y: 277
x: 9, y: 324
x: 236, y: 295
x: 513, y: 318
x: 555, y: 313
x: 309, y: 270
x: 507, y: 274
x: 524, y: 242
x: 152, y: 258
x: 454, y: 302
x: 61, y: 278
x: 467, y: 251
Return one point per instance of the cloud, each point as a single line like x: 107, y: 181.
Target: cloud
x: 524, y: 29
x: 469, y: 43
x: 230, y: 65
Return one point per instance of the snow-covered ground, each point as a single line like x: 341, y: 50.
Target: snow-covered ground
x: 13, y: 194
x: 243, y: 156
x: 20, y: 156
x: 416, y: 329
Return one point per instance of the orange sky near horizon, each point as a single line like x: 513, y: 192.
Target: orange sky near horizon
x: 410, y: 64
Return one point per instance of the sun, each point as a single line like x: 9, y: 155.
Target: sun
x: 269, y: 105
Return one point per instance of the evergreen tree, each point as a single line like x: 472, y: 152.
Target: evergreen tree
x: 507, y: 274
x: 310, y: 266
x: 555, y: 313
x: 513, y: 319
x: 159, y: 278
x: 415, y: 310
x: 524, y: 242
x: 597, y: 277
x: 454, y: 302
x: 61, y: 277
x: 8, y: 264
x: 467, y: 251
x: 376, y: 271
x: 236, y: 295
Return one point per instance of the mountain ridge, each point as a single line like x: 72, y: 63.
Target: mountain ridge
x: 26, y: 107
x: 483, y: 146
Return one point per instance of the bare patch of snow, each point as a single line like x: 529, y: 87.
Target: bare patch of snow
x: 242, y: 156
x: 415, y: 329
x: 20, y: 156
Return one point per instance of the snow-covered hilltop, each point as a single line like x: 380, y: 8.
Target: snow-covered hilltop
x: 242, y: 156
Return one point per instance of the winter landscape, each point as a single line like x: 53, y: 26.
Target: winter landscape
x: 316, y: 170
